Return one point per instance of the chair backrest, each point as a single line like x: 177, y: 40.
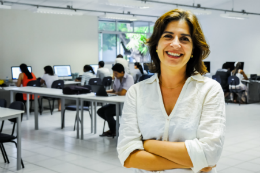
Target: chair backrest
x: 107, y: 81
x: 145, y: 76
x: 59, y: 84
x: 217, y: 78
x: 137, y: 77
x: 253, y: 76
x: 233, y: 80
x: 95, y: 81
x: 18, y: 106
x: 3, y: 103
x: 34, y: 83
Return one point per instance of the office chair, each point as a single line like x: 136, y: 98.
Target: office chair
x: 57, y: 84
x: 234, y: 80
x: 34, y: 83
x: 74, y: 108
x: 145, y: 76
x: 3, y: 103
x: 95, y: 81
x: 253, y: 77
x: 4, y: 138
x: 217, y: 78
x: 107, y: 81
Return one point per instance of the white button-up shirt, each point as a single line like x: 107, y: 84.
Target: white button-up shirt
x: 198, y: 119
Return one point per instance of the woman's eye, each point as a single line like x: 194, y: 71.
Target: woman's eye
x: 185, y: 39
x: 168, y: 36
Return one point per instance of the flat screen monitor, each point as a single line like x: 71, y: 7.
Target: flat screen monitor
x: 62, y: 70
x: 16, y: 71
x: 207, y: 64
x: 232, y: 67
x: 95, y: 67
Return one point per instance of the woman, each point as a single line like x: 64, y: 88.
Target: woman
x: 23, y: 79
x: 138, y: 71
x: 241, y: 75
x: 87, y: 75
x: 174, y: 122
x: 48, y: 79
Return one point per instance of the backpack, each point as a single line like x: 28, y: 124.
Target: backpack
x: 74, y: 89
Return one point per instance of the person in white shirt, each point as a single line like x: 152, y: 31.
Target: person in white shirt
x: 174, y: 122
x: 87, y: 75
x: 138, y: 71
x: 120, y: 59
x: 102, y: 71
x: 48, y: 78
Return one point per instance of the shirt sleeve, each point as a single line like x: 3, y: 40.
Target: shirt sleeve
x: 98, y: 74
x: 205, y: 150
x: 43, y: 77
x: 83, y: 79
x: 128, y: 82
x: 129, y: 138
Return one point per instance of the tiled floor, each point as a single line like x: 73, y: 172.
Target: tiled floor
x: 51, y: 149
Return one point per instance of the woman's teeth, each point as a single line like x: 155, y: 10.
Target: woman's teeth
x: 173, y: 54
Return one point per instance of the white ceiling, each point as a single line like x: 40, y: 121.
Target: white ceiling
x: 100, y: 5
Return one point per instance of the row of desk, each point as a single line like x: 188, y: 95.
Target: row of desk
x: 253, y: 90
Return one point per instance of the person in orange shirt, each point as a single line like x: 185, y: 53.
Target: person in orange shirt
x: 24, y: 77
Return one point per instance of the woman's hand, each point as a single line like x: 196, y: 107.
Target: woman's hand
x: 207, y: 169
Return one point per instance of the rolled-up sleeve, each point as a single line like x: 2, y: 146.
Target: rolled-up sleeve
x: 205, y: 150
x: 129, y: 133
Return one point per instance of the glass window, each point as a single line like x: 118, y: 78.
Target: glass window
x: 141, y: 27
x: 125, y: 26
x: 151, y: 27
x: 108, y: 47
x: 106, y: 26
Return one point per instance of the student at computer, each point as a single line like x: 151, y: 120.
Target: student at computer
x: 241, y: 75
x: 138, y: 71
x: 23, y: 79
x: 122, y: 83
x: 224, y: 73
x: 102, y: 71
x: 87, y: 75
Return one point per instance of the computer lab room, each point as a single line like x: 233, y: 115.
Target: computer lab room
x: 129, y: 86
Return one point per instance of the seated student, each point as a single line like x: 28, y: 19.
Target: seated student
x: 102, y: 71
x: 120, y: 59
x: 241, y: 75
x: 138, y: 71
x: 23, y: 79
x: 48, y: 79
x: 122, y: 83
x: 88, y: 74
x: 224, y: 73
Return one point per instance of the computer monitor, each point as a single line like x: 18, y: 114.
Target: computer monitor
x: 232, y: 67
x: 95, y: 67
x: 16, y: 71
x: 207, y: 64
x: 62, y: 71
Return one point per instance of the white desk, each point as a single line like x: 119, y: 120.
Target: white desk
x: 117, y: 100
x: 71, y: 83
x: 6, y: 114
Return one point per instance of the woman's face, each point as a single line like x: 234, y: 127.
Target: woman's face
x: 135, y: 67
x: 175, y: 45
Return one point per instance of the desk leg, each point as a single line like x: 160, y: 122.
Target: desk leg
x: 92, y: 116
x: 62, y: 111
x: 36, y: 111
x: 95, y: 117
x: 28, y: 106
x: 11, y: 97
x: 82, y: 119
x: 117, y: 118
x: 19, y: 148
x: 77, y: 105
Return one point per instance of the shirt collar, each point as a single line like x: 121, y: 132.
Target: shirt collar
x: 197, y: 77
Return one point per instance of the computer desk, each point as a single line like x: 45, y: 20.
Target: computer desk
x: 253, y: 90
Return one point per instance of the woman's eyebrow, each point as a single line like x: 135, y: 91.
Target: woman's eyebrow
x: 168, y: 32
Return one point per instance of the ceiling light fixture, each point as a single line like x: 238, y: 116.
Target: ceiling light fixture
x: 129, y: 4
x: 2, y: 6
x: 120, y: 17
x: 235, y: 16
x: 69, y: 12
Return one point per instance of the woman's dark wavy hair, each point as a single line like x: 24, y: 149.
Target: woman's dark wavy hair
x: 24, y: 69
x: 238, y: 66
x: 48, y: 70
x: 89, y: 68
x: 138, y: 65
x: 200, y: 46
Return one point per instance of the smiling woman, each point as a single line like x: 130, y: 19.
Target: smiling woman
x: 174, y: 122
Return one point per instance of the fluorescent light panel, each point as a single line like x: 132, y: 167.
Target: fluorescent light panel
x: 235, y: 16
x: 58, y: 11
x: 120, y: 17
x: 5, y: 7
x: 128, y: 4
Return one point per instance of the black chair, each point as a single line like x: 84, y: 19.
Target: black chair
x: 74, y: 108
x: 107, y: 81
x: 58, y: 84
x: 4, y: 138
x: 34, y: 83
x: 253, y: 77
x: 3, y: 103
x: 217, y: 78
x: 234, y: 80
x: 145, y: 76
x: 95, y: 81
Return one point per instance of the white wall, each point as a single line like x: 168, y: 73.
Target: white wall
x: 234, y: 40
x: 45, y: 39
